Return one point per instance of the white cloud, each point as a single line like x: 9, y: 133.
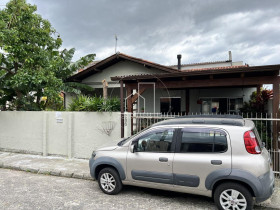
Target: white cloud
x: 158, y: 30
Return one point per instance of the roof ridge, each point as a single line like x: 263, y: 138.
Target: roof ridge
x: 201, y: 63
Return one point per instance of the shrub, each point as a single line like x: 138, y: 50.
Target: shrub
x: 95, y: 104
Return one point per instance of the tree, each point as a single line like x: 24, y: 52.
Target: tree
x: 30, y: 62
x: 68, y: 68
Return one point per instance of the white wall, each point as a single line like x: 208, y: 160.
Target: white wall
x: 71, y: 134
x: 68, y: 99
x: 20, y: 131
x: 119, y: 69
x: 195, y: 94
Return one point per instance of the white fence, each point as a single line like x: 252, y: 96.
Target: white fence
x: 263, y: 122
x: 70, y: 134
x: 77, y: 134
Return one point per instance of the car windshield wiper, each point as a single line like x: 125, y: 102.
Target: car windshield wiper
x: 121, y: 142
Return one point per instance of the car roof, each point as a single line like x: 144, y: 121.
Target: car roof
x: 231, y: 120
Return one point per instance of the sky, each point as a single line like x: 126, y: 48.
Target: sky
x: 158, y: 30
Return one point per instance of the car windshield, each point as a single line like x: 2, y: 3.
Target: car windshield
x: 122, y: 142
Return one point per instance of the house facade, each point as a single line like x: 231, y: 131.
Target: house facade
x: 166, y: 99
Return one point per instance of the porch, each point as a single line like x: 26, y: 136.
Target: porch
x: 203, y: 81
x: 214, y: 90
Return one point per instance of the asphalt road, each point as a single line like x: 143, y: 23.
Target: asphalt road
x: 22, y: 190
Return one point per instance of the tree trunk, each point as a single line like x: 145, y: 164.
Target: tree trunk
x: 19, y: 98
x: 105, y: 89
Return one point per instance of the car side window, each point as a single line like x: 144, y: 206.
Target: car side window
x: 155, y: 141
x: 203, y: 140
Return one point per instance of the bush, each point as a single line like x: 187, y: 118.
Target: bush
x: 95, y: 104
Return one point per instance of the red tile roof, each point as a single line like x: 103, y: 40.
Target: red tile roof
x: 95, y: 67
x: 213, y: 68
x: 202, y: 71
x: 89, y: 65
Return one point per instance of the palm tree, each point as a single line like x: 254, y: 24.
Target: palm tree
x: 69, y: 68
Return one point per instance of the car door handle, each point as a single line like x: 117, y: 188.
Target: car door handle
x: 216, y: 162
x: 163, y: 159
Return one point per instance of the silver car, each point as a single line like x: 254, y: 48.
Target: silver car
x: 216, y: 156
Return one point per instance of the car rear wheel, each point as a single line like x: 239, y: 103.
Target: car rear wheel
x: 109, y: 181
x: 233, y: 196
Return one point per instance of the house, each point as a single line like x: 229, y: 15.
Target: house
x: 183, y: 88
x: 116, y: 65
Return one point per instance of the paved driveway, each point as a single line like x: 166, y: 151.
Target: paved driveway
x: 22, y: 190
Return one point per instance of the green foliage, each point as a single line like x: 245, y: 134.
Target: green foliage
x: 53, y: 105
x: 31, y: 66
x: 264, y: 130
x: 78, y: 103
x: 95, y: 104
x: 29, y: 51
x: 257, y: 103
x: 114, y: 105
x: 68, y: 68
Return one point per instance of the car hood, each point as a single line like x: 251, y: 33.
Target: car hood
x: 107, y: 148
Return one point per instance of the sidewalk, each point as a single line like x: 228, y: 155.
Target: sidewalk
x: 77, y: 168
x: 50, y: 165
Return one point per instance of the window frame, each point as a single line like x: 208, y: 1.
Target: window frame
x: 173, y: 142
x: 198, y: 129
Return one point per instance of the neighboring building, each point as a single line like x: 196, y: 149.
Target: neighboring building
x: 173, y: 89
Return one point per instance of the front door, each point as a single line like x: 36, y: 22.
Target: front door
x: 199, y: 152
x: 152, y: 159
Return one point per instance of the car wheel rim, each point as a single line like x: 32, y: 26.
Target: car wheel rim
x: 233, y: 199
x: 108, y: 182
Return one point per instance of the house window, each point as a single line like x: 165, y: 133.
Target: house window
x: 170, y: 105
x: 221, y: 105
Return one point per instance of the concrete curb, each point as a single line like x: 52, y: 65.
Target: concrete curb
x: 51, y: 172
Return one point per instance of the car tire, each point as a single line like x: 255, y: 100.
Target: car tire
x: 109, y: 181
x: 230, y: 194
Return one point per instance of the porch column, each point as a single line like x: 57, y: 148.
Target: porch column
x: 129, y: 100
x: 122, y: 109
x: 275, y: 113
x: 187, y: 101
x: 129, y: 91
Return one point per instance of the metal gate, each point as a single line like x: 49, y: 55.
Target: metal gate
x: 266, y: 125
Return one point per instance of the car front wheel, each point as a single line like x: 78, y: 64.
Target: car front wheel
x: 109, y: 181
x: 233, y: 196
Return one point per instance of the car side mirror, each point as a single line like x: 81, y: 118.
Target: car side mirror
x: 132, y: 148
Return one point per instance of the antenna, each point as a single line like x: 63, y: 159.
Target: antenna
x: 116, y: 43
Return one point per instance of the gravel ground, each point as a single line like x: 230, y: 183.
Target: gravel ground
x: 22, y: 190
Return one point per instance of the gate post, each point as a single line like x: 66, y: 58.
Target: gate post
x: 122, y: 110
x: 275, y: 113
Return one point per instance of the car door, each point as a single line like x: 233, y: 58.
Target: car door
x: 151, y: 161
x: 199, y: 152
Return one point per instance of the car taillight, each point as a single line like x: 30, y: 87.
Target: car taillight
x: 251, y: 143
